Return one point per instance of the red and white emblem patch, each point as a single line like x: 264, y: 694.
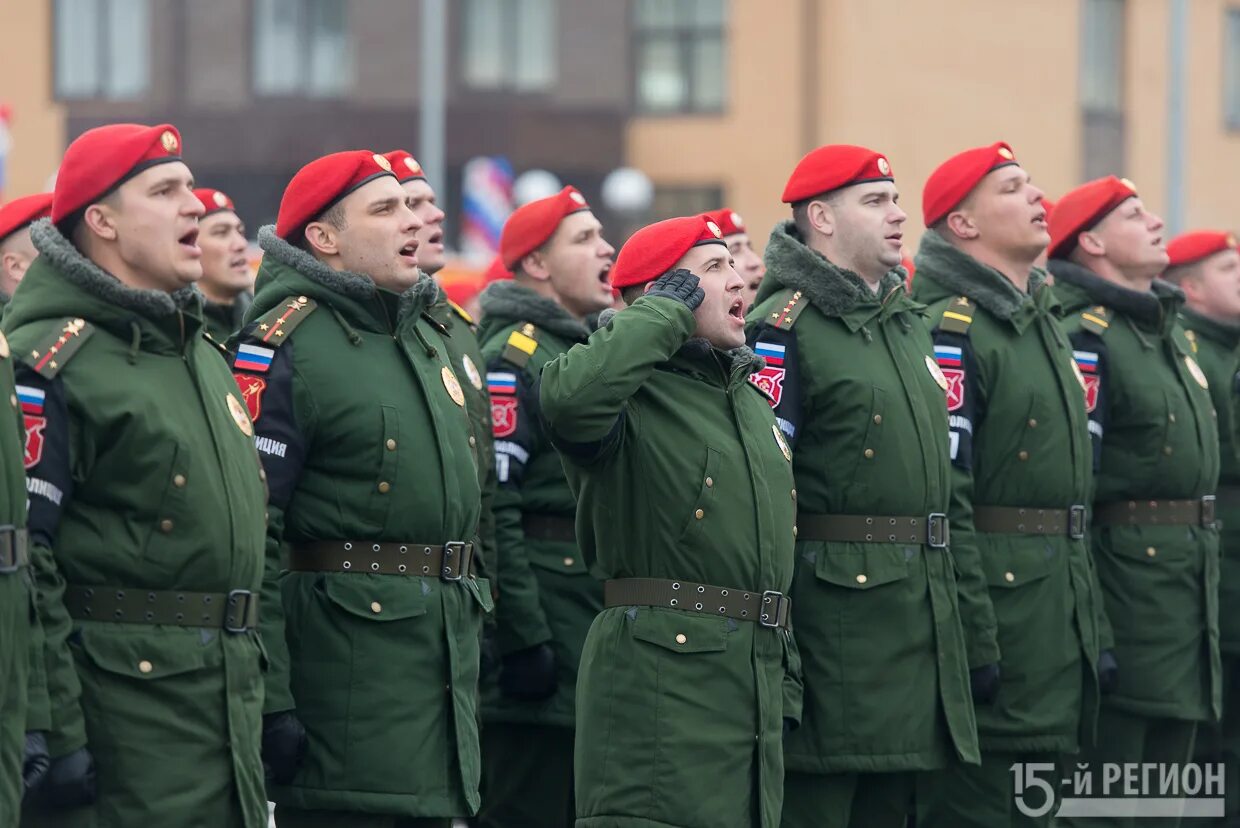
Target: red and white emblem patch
x: 770, y: 380
x: 252, y: 389
x: 503, y: 416
x: 1092, y: 383
x: 955, y: 387
x: 34, y: 439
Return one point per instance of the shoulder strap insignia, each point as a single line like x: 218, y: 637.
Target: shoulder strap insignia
x: 1191, y: 336
x: 958, y: 316
x: 274, y: 327
x: 461, y: 312
x: 521, y: 345
x: 59, y: 346
x: 785, y: 317
x: 1096, y: 320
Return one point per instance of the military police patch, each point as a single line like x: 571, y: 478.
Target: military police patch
x: 1091, y: 383
x: 252, y: 389
x: 771, y: 381
x: 503, y: 416
x: 954, y: 378
x: 34, y: 440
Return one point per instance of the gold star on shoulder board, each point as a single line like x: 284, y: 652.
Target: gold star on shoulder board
x: 264, y: 327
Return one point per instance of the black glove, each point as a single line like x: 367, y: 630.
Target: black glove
x: 284, y: 746
x: 789, y: 726
x: 984, y: 682
x: 680, y: 285
x: 68, y: 783
x: 529, y: 674
x: 35, y: 759
x: 1108, y: 672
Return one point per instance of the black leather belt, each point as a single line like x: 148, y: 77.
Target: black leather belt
x: 235, y: 611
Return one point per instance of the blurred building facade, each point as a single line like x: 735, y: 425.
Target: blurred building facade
x: 715, y: 100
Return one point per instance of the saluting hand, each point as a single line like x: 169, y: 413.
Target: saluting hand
x: 680, y: 285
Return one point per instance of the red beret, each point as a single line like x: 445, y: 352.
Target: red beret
x: 833, y: 166
x: 213, y: 201
x: 956, y: 177
x: 532, y: 224
x: 103, y: 158
x: 1184, y: 249
x: 729, y: 221
x: 652, y: 250
x: 1082, y: 208
x: 323, y: 182
x: 405, y: 166
x: 21, y: 211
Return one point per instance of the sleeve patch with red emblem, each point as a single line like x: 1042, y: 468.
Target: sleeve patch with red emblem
x: 32, y: 400
x: 951, y: 362
x: 502, y: 386
x: 252, y: 389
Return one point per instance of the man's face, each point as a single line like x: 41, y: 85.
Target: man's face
x: 748, y: 264
x: 379, y: 238
x: 155, y: 216
x: 577, y: 259
x: 868, y: 225
x: 721, y: 316
x: 1213, y: 290
x: 17, y: 251
x: 225, y: 270
x: 1007, y: 210
x: 430, y: 237
x: 1132, y: 239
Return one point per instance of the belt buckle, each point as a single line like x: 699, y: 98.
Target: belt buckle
x: 9, y: 556
x: 938, y: 531
x: 1207, y: 511
x: 777, y: 616
x: 449, y: 548
x: 243, y: 612
x: 1076, y: 522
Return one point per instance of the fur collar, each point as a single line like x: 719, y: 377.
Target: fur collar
x: 790, y: 263
x: 1226, y: 334
x: 506, y: 300
x: 962, y: 275
x: 1150, y: 309
x: 418, y: 296
x: 94, y: 280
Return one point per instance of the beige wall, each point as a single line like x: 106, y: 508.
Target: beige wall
x: 25, y: 85
x: 920, y: 81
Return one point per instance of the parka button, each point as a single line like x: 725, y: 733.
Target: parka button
x: 472, y: 441
x: 569, y: 561
x: 1171, y: 418
x: 376, y: 607
x: 861, y: 579
x: 680, y: 638
x: 869, y: 454
x: 1033, y: 423
x: 794, y: 531
x: 179, y: 481
x: 13, y: 400
x: 385, y: 487
x: 794, y: 494
x: 1023, y: 456
x: 699, y: 514
x: 165, y: 526
x: 1167, y: 450
x: 391, y: 444
x: 145, y: 666
x: 1151, y: 551
x: 1009, y: 577
x: 262, y: 474
x: 878, y: 419
x: 710, y: 482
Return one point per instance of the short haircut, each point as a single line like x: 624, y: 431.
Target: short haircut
x: 632, y: 293
x: 800, y: 210
x: 1177, y: 274
x: 333, y: 215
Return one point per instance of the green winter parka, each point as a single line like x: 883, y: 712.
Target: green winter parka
x: 877, y: 623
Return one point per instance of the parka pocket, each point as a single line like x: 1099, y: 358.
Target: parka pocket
x: 863, y: 566
x: 141, y: 658
x: 1018, y: 564
x: 679, y: 632
x: 557, y: 556
x: 379, y: 598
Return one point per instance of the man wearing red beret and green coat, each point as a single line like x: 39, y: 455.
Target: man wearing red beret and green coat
x: 360, y: 420
x: 17, y: 251
x: 685, y: 501
x: 146, y: 503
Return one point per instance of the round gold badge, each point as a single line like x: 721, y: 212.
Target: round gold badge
x: 169, y: 141
x: 383, y: 163
x: 883, y: 166
x: 737, y: 222
x: 1127, y: 182
x: 936, y: 372
x: 782, y: 443
x: 414, y: 166
x: 4, y: 347
x: 577, y: 197
x: 220, y: 199
x: 240, y: 417
x: 1230, y: 241
x: 471, y: 371
x: 1076, y: 369
x: 1195, y: 370
x: 714, y: 229
x: 1006, y: 154
x: 453, y: 385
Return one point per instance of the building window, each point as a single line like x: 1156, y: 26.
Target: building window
x: 681, y: 66
x: 302, y: 47
x: 1101, y: 86
x: 102, y: 48
x: 1231, y: 64
x: 672, y: 201
x: 509, y: 44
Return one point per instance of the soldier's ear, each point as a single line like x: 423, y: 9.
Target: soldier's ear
x: 321, y: 238
x: 821, y: 217
x: 100, y: 219
x: 535, y: 266
x: 961, y: 226
x: 1091, y: 243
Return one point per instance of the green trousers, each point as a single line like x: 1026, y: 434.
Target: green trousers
x: 297, y: 818
x: 847, y: 800
x: 1220, y: 742
x: 984, y: 796
x: 527, y: 776
x: 1127, y: 737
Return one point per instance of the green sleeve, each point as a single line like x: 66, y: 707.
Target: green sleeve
x: 519, y: 616
x: 68, y: 726
x: 977, y: 614
x: 38, y: 707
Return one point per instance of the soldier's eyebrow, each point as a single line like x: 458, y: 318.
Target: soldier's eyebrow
x: 169, y: 181
x: 384, y: 204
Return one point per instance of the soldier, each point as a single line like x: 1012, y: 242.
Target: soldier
x: 459, y: 337
x: 1157, y: 457
x: 1021, y: 475
x: 748, y: 263
x: 146, y: 502
x: 560, y: 260
x: 361, y: 424
x: 1206, y: 266
x: 226, y: 279
x: 686, y: 500
x: 834, y: 324
x: 16, y: 249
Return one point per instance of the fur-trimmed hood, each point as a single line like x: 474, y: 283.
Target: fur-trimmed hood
x: 944, y: 271
x: 505, y: 302
x: 287, y: 269
x: 790, y: 263
x: 1154, y: 310
x: 62, y: 282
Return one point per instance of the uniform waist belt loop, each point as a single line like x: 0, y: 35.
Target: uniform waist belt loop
x: 767, y: 609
